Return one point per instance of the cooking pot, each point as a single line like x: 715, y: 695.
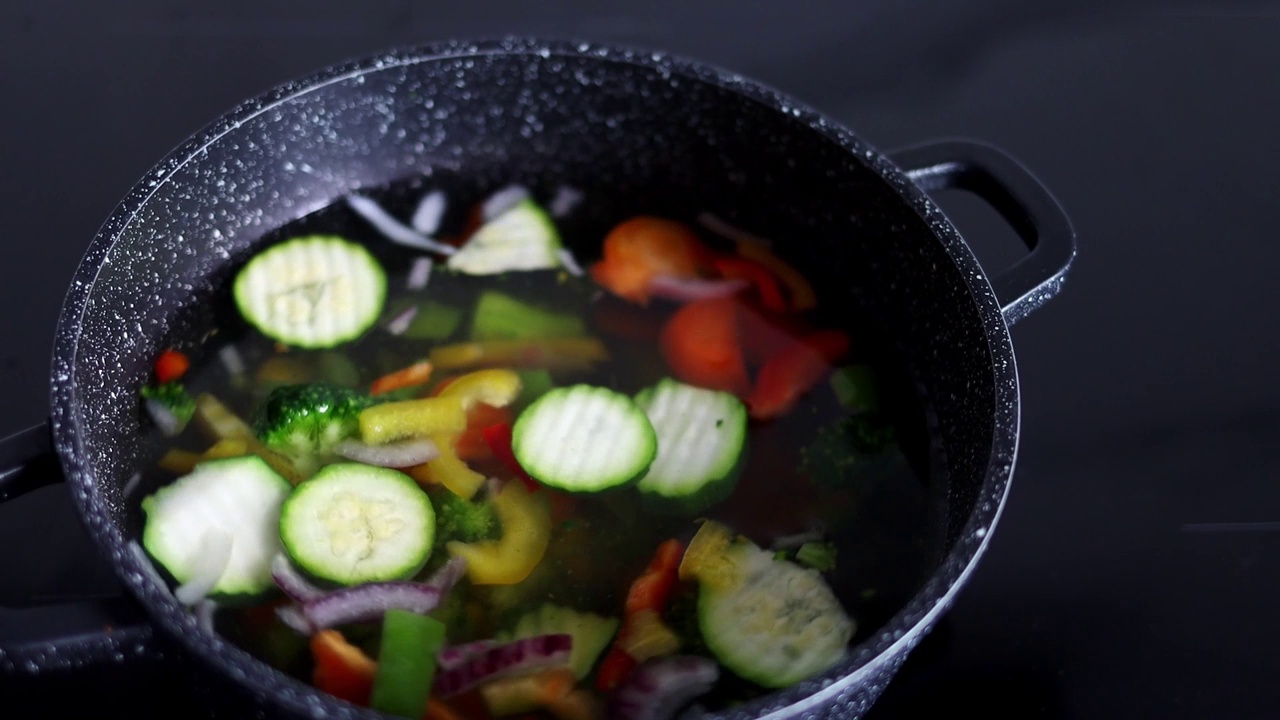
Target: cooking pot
x: 611, y: 121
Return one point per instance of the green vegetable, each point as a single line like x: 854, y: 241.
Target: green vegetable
x: 239, y: 497
x: 855, y: 387
x: 849, y: 450
x: 317, y: 291
x: 432, y: 321
x: 353, y: 523
x: 499, y: 316
x: 173, y: 395
x: 406, y: 663
x: 591, y: 633
x: 584, y: 438
x: 466, y: 521
x: 534, y: 384
x: 522, y: 238
x: 310, y: 418
x: 820, y: 556
x: 702, y: 435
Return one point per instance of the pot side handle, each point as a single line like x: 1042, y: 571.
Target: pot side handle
x: 68, y: 636
x: 1019, y: 197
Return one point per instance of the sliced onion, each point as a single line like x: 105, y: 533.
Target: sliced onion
x: 400, y: 323
x: 455, y: 655
x: 212, y: 556
x: 729, y: 232
x: 502, y: 201
x: 519, y: 657
x: 132, y: 484
x: 204, y: 614
x: 291, y: 581
x: 163, y: 417
x: 292, y: 617
x: 393, y: 455
x: 369, y: 601
x: 393, y: 229
x: 570, y: 262
x: 791, y: 542
x: 689, y: 289
x: 426, y: 218
x: 231, y: 360
x: 564, y: 202
x: 658, y: 689
x: 419, y: 273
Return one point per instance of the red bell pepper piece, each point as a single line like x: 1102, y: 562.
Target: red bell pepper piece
x: 342, y: 669
x: 498, y: 437
x: 171, y: 365
x: 642, y: 247
x: 760, y: 277
x: 795, y: 370
x: 649, y: 592
x: 702, y: 345
x: 473, y: 444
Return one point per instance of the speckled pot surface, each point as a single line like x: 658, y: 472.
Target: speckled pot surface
x: 604, y: 119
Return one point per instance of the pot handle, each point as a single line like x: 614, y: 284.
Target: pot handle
x: 1019, y: 197
x: 69, y: 635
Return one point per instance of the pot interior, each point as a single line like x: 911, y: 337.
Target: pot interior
x: 634, y: 134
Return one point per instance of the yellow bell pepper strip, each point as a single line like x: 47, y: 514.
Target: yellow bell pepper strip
x: 526, y: 693
x: 232, y: 437
x: 647, y: 637
x: 178, y: 461
x: 342, y: 669
x: 448, y: 470
x: 801, y: 292
x: 526, y: 532
x: 424, y: 417
x: 555, y: 353
x: 495, y: 387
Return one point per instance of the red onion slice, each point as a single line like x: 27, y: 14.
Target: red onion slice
x: 419, y: 273
x: 426, y: 218
x: 369, y: 601
x: 164, y: 419
x: 212, y: 556
x: 570, y: 262
x: 690, y: 289
x: 292, y: 617
x: 729, y: 232
x: 231, y: 360
x: 393, y: 455
x: 455, y: 655
x: 291, y: 581
x: 502, y: 201
x: 519, y: 657
x: 658, y: 689
x: 401, y: 322
x: 393, y: 229
x: 204, y: 614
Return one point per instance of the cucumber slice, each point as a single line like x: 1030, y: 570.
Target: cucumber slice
x: 522, y: 238
x: 239, y: 497
x: 317, y: 291
x: 777, y: 625
x: 701, y: 438
x: 584, y: 438
x: 591, y: 633
x: 353, y: 523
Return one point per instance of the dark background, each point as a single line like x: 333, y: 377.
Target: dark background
x: 1136, y: 570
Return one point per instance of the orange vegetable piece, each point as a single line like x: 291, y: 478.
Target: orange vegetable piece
x: 795, y: 370
x: 342, y: 669
x: 416, y: 374
x: 702, y: 346
x: 171, y: 365
x: 644, y: 246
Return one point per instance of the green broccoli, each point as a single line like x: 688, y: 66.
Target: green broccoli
x: 172, y: 396
x: 461, y: 520
x: 849, y: 448
x: 820, y: 556
x: 309, y: 419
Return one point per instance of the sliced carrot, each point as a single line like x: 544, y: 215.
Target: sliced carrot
x: 342, y: 669
x: 416, y: 374
x: 702, y: 346
x: 642, y: 247
x: 171, y: 365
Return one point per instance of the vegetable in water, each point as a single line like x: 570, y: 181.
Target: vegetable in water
x: 701, y: 343
x: 591, y: 633
x: 170, y: 366
x: 526, y: 532
x: 416, y: 374
x: 310, y: 419
x: 578, y: 353
x: 238, y: 497
x: 794, y: 371
x: 371, y: 600
x: 353, y: 523
x: 406, y: 663
x: 341, y: 669
x: 313, y: 292
x: 521, y: 238
x: 498, y: 316
x: 424, y: 417
x: 820, y: 556
x: 170, y: 406
x: 658, y: 689
x: 448, y: 469
x: 464, y: 521
x: 855, y: 388
x: 584, y: 438
x: 642, y: 248
x: 643, y: 634
x: 518, y: 657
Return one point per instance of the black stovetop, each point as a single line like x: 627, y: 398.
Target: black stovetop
x: 1136, y: 570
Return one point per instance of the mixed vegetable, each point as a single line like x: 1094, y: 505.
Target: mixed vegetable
x: 494, y: 507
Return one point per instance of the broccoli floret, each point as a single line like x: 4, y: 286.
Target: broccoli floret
x: 847, y: 449
x: 310, y: 418
x: 820, y: 556
x: 465, y: 521
x: 173, y: 396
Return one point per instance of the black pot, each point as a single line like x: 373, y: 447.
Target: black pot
x: 609, y: 120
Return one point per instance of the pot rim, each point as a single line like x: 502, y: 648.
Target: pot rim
x: 865, y: 661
